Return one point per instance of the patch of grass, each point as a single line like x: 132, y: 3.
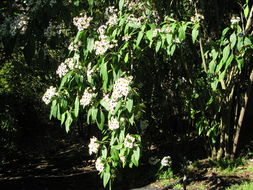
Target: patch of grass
x: 226, y: 164
x: 165, y: 174
x: 243, y: 186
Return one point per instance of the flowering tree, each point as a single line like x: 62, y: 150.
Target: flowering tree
x: 102, y: 77
x: 99, y: 77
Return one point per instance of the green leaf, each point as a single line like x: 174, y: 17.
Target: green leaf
x: 121, y: 3
x: 140, y: 35
x: 90, y: 2
x: 158, y: 45
x: 105, y: 105
x: 149, y: 35
x: 126, y: 57
x: 68, y: 122
x: 224, y: 32
x: 239, y: 44
x: 58, y: 112
x: 90, y: 43
x: 195, y: 33
x: 232, y: 40
x: 89, y: 115
x: 247, y: 42
x: 226, y: 52
x: 212, y: 66
x: 53, y: 109
x: 131, y: 119
x: 222, y: 75
x: 214, y: 85
x: 182, y: 30
x: 129, y: 105
x: 246, y: 11
x: 81, y: 34
x: 240, y: 62
x: 94, y: 114
x: 172, y: 49
x: 169, y: 38
x: 76, y: 109
x: 63, y: 117
x: 106, y: 178
x: 100, y: 119
x: 65, y: 79
x: 104, y: 73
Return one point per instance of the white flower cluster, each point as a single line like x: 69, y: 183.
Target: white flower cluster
x: 62, y: 69
x: 235, y: 20
x: 133, y: 20
x: 90, y: 71
x: 49, y: 94
x: 68, y: 65
x: 99, y: 165
x: 110, y: 102
x: 197, y: 17
x: 126, y: 37
x: 110, y: 10
x: 19, y: 24
x: 73, y: 46
x: 93, y: 146
x: 132, y: 4
x: 113, y: 123
x: 121, y: 88
x: 101, y: 46
x: 113, y: 19
x: 87, y: 97
x: 161, y: 30
x: 166, y: 161
x: 54, y: 29
x: 111, y: 13
x: 129, y: 141
x: 82, y: 22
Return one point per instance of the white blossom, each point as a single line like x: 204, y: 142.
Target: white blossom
x: 62, y: 70
x: 111, y: 103
x: 87, y: 97
x: 156, y: 31
x: 101, y: 29
x: 99, y: 165
x: 19, y: 24
x: 73, y: 47
x: 82, y: 22
x: 101, y: 46
x: 129, y: 141
x: 121, y: 88
x: 166, y: 161
x: 113, y: 123
x: 126, y: 37
x: 90, y: 71
x: 132, y: 19
x: 110, y: 10
x: 49, y: 94
x: 93, y: 146
x: 113, y: 19
x: 235, y: 20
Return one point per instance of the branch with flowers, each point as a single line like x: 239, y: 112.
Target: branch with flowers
x: 98, y: 78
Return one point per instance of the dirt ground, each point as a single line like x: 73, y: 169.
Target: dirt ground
x: 69, y: 167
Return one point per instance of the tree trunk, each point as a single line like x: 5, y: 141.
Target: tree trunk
x: 241, y: 116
